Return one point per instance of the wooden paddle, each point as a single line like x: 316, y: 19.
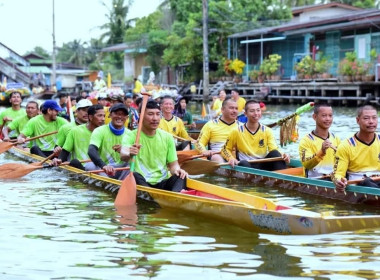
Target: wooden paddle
x: 101, y: 170
x: 186, y: 155
x: 17, y: 170
x: 197, y: 167
x: 5, y: 146
x: 357, y: 181
x: 126, y: 195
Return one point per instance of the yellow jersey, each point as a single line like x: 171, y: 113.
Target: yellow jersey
x: 249, y: 144
x: 217, y: 106
x: 354, y: 159
x: 241, y: 104
x: 214, y: 135
x: 314, y: 163
x: 174, y: 126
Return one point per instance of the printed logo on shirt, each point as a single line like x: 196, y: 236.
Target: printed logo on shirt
x: 174, y: 129
x: 261, y: 143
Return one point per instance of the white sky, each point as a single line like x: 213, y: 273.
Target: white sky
x: 28, y: 23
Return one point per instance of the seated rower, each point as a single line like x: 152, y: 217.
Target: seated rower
x: 317, y: 149
x: 78, y: 139
x: 215, y: 132
x: 15, y: 111
x: 358, y: 156
x: 81, y: 117
x: 41, y: 124
x: 18, y: 124
x: 253, y: 140
x: 105, y: 143
x: 173, y: 124
x: 156, y: 157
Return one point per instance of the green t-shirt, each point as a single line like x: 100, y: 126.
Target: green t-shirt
x: 14, y: 114
x: 63, y: 132
x: 155, y: 153
x: 77, y: 142
x: 38, y: 126
x: 104, y: 140
x: 17, y: 125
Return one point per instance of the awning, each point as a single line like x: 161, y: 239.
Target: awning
x: 263, y: 40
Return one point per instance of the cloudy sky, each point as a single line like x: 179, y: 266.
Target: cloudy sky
x: 28, y: 23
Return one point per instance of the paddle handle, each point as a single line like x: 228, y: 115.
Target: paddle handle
x: 40, y: 136
x: 258, y: 160
x: 46, y: 159
x: 357, y: 181
x: 101, y: 170
x: 299, y: 111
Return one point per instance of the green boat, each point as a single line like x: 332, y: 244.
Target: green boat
x: 292, y: 179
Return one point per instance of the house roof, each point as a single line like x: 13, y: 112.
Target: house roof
x: 309, y: 8
x: 350, y: 19
x: 129, y: 47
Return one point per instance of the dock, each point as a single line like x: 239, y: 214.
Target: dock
x: 284, y: 92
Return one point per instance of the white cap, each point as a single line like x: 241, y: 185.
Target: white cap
x: 100, y: 74
x: 83, y: 103
x: 156, y: 94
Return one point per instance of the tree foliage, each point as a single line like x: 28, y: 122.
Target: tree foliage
x: 41, y: 51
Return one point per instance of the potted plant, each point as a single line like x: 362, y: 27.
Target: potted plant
x: 321, y: 68
x: 348, y: 66
x: 234, y: 68
x: 270, y: 66
x: 368, y: 74
x: 305, y: 68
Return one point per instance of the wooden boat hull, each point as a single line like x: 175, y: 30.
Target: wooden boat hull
x: 353, y: 193
x: 247, y: 211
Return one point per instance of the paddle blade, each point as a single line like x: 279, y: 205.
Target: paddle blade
x: 186, y: 155
x: 127, y: 192
x: 16, y: 170
x: 5, y: 146
x: 196, y: 167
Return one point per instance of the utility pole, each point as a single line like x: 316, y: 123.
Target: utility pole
x: 206, y: 91
x: 53, y: 74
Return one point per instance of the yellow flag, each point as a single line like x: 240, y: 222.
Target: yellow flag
x: 109, y: 80
x: 204, y: 113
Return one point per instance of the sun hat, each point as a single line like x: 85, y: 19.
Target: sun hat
x: 83, y: 103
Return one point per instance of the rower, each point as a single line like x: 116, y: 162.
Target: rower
x: 81, y: 117
x: 156, y: 157
x: 215, y: 132
x: 41, y: 124
x: 13, y: 112
x: 17, y: 125
x: 240, y: 101
x: 172, y: 124
x: 253, y: 140
x: 358, y: 156
x: 78, y: 139
x: 133, y: 116
x: 317, y: 149
x: 216, y: 104
x: 105, y: 144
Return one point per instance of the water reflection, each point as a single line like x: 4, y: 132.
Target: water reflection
x: 55, y: 227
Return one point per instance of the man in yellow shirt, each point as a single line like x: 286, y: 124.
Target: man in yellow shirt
x: 240, y: 101
x: 173, y: 124
x: 317, y: 148
x: 138, y: 85
x: 358, y: 157
x: 253, y: 140
x: 215, y: 132
x: 216, y: 104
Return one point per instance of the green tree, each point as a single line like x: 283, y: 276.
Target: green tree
x: 41, y: 51
x: 73, y: 52
x: 116, y: 26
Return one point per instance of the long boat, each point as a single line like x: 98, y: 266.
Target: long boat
x: 293, y: 179
x: 249, y: 212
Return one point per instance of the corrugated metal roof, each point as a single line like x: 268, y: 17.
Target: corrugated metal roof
x: 349, y: 18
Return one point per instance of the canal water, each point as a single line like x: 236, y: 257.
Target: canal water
x: 54, y: 227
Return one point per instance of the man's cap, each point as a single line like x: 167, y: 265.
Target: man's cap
x: 119, y: 106
x: 51, y: 104
x: 100, y: 74
x: 116, y: 97
x: 83, y: 103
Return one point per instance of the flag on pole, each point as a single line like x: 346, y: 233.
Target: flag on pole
x: 109, y: 80
x: 204, y: 112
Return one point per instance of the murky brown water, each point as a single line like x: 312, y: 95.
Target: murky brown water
x: 53, y: 227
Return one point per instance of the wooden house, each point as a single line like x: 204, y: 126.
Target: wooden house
x: 329, y: 29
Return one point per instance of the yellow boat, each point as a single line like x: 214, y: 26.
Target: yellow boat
x: 247, y: 211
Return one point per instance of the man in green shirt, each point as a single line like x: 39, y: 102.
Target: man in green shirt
x: 156, y: 156
x: 17, y: 125
x: 105, y: 143
x: 81, y: 118
x: 78, y: 139
x: 45, y: 123
x: 13, y: 112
